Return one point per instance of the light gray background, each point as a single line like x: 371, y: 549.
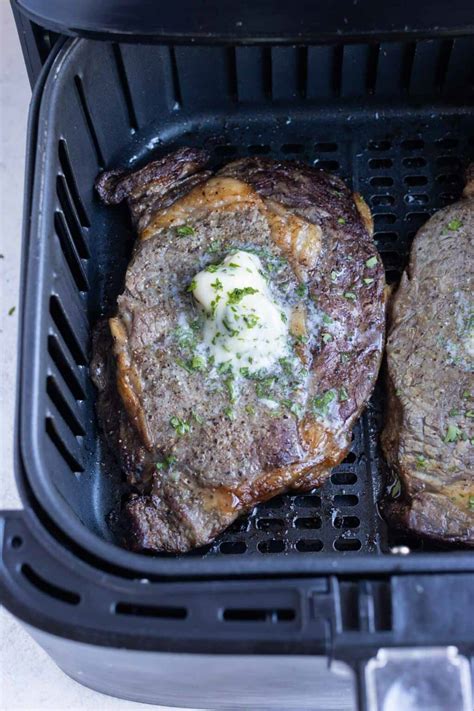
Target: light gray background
x: 29, y: 680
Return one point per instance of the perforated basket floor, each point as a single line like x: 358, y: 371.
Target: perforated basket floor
x: 404, y: 151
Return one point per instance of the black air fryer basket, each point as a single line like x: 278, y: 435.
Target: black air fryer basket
x: 380, y: 96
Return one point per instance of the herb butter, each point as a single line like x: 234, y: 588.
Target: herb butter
x: 244, y: 324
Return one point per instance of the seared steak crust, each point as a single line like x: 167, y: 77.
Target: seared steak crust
x: 309, y: 230
x: 428, y: 436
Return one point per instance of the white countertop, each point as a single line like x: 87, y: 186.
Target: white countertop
x: 29, y: 680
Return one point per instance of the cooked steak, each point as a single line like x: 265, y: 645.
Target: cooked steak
x: 246, y: 342
x: 428, y: 438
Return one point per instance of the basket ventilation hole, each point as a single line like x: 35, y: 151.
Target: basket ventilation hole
x: 258, y: 615
x: 347, y: 544
x: 49, y: 588
x: 59, y: 317
x: 62, y: 364
x: 163, y: 611
x: 309, y: 545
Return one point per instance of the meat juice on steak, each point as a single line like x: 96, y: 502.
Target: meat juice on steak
x: 201, y: 442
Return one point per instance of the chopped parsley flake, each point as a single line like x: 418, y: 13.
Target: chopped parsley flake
x: 345, y: 358
x: 327, y: 319
x: 368, y: 281
x: 321, y: 403
x: 420, y: 462
x: 453, y: 413
x: 224, y: 368
x: 471, y: 503
x: 197, y: 417
x: 192, y: 285
x: 250, y: 320
x: 214, y: 303
x: 283, y: 316
x: 212, y: 268
x: 217, y: 285
x: 453, y: 433
x: 229, y: 413
x: 231, y: 331
x: 180, y: 426
x: 350, y: 295
x: 214, y: 247
x: 301, y: 290
x: 166, y: 463
x: 11, y: 310
x: 182, y: 364
x: 341, y: 220
x: 230, y: 387
x: 326, y: 337
x: 295, y: 408
x: 371, y: 263
x: 250, y: 409
x: 343, y: 394
x: 301, y: 339
x: 454, y: 225
x: 236, y: 295
x: 184, y: 230
x: 263, y: 387
x: 470, y: 414
x: 234, y: 265
x: 244, y: 371
x: 198, y: 363
x: 466, y: 395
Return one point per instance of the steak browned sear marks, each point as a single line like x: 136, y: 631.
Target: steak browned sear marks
x: 428, y: 438
x: 202, y: 438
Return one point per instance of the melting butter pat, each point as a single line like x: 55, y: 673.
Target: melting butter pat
x: 244, y: 326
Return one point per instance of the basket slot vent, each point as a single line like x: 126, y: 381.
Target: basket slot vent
x: 289, y: 68
x: 66, y: 168
x: 390, y: 68
x: 416, y: 162
x: 311, y: 523
x: 72, y: 462
x: 242, y: 614
x: 253, y: 73
x: 459, y: 75
x: 206, y: 76
x: 71, y: 216
x: 328, y: 165
x: 124, y: 85
x: 425, y: 61
x: 346, y: 522
x: 356, y: 73
x: 342, y: 478
x: 270, y: 524
x: 309, y: 501
x: 49, y: 588
x: 233, y: 547
x: 271, y: 546
x: 322, y: 67
x: 384, y: 218
x: 159, y: 611
x: 69, y: 440
x: 65, y: 367
x: 65, y: 405
x: 70, y: 252
x: 62, y: 323
x: 88, y: 119
x: 347, y: 544
x: 346, y: 500
x: 309, y: 545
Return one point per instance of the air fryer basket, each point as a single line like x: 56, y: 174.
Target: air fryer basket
x: 393, y: 119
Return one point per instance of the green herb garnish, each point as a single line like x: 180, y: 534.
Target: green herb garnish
x: 263, y: 387
x: 166, y: 463
x: 470, y: 414
x: 250, y: 409
x: 184, y: 230
x: 244, y: 371
x: 230, y: 387
x: 327, y: 319
x: 321, y: 403
x: 229, y: 412
x: 250, y: 320
x: 198, y: 362
x: 11, y: 310
x: 225, y: 367
x: 367, y: 281
x: 283, y: 317
x: 371, y: 262
x: 343, y: 394
x: 350, y: 295
x: 236, y: 295
x: 182, y: 364
x: 192, y: 285
x: 211, y: 268
x: 217, y: 285
x: 214, y: 247
x: 301, y: 290
x: 180, y: 426
x: 197, y: 417
x: 453, y: 433
x: 420, y: 462
x: 471, y: 503
x: 295, y: 408
x: 341, y: 220
x: 345, y: 358
x: 301, y: 339
x: 326, y: 337
x: 454, y: 225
